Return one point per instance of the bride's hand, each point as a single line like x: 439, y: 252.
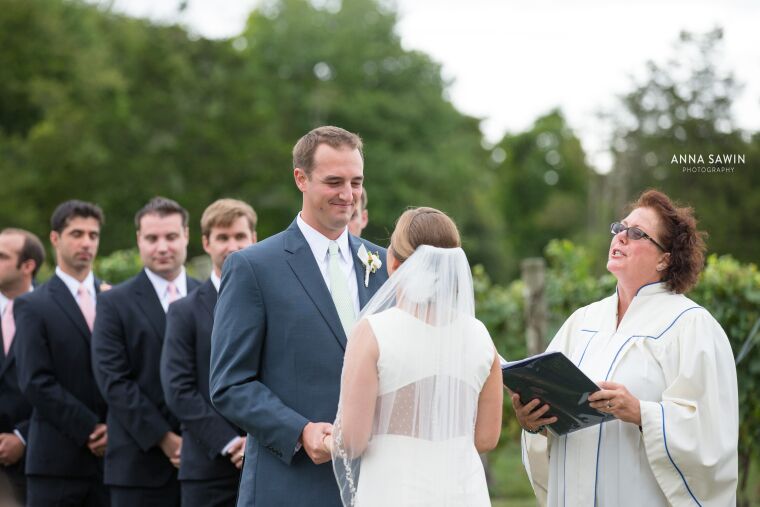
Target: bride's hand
x: 327, y: 443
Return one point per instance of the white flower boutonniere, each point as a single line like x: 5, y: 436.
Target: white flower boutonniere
x: 371, y: 262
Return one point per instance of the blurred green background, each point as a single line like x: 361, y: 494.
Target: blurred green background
x: 103, y: 107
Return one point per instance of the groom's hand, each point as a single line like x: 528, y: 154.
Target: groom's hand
x: 311, y: 438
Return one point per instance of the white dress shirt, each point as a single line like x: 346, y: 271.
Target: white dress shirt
x: 161, y: 286
x: 319, y: 245
x: 3, y: 303
x: 73, y: 284
x: 215, y: 280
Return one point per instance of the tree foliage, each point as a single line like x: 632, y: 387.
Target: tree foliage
x: 684, y: 107
x: 103, y: 107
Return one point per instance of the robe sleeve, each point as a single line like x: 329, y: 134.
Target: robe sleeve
x: 691, y: 436
x: 535, y: 448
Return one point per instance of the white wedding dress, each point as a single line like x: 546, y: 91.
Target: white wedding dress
x: 428, y: 394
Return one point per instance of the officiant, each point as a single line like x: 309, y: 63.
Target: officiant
x: 666, y: 372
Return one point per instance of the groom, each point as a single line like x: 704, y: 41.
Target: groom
x: 285, y: 308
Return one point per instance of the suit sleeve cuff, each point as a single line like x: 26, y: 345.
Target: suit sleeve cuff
x: 20, y: 436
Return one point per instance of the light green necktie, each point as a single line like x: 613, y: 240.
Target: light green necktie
x: 339, y: 289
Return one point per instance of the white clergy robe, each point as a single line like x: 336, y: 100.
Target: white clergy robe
x: 671, y: 354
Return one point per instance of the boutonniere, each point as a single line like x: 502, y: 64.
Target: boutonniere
x: 105, y: 287
x: 371, y: 262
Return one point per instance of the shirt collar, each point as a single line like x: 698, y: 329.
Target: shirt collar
x: 73, y: 284
x: 651, y: 289
x: 161, y: 284
x: 215, y: 280
x: 320, y: 243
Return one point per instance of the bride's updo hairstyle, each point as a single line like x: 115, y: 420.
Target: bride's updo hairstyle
x: 422, y: 226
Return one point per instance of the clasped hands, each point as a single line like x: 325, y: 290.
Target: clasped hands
x: 236, y: 452
x: 98, y: 440
x: 316, y: 439
x: 11, y: 449
x: 171, y: 446
x: 612, y: 398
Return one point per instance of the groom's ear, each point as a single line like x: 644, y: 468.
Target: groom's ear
x: 300, y: 176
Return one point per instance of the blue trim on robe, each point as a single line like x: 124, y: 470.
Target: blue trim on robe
x: 665, y: 441
x: 598, y: 448
x: 647, y: 285
x: 614, y: 359
x: 587, y: 344
x: 564, y: 472
x: 564, y: 455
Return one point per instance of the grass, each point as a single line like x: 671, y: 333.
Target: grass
x: 509, y: 483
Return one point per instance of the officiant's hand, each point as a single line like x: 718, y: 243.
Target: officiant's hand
x: 312, y: 437
x: 615, y: 399
x: 531, y: 415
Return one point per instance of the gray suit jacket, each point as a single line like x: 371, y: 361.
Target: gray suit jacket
x: 276, y: 359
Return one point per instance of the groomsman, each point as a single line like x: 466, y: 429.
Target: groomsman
x: 212, y: 449
x: 360, y: 217
x: 67, y: 434
x: 21, y: 255
x: 144, y: 443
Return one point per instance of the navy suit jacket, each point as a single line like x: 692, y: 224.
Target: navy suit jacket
x: 54, y: 373
x: 276, y: 359
x: 184, y: 376
x: 126, y: 351
x: 15, y: 410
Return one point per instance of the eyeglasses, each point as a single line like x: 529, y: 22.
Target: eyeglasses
x: 634, y: 233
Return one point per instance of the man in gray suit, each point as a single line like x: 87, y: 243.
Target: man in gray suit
x: 285, y: 308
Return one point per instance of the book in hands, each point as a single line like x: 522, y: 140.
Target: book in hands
x: 554, y: 379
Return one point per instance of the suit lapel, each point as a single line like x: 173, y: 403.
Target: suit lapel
x: 63, y: 298
x: 359, y: 269
x: 5, y: 361
x: 207, y: 295
x: 307, y: 271
x: 148, y: 301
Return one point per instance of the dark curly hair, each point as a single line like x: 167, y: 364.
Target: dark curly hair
x: 681, y: 238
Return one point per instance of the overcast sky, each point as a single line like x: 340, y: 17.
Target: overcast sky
x: 511, y: 60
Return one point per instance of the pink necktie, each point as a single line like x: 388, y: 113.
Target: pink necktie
x: 87, y: 305
x: 9, y: 326
x: 171, y: 289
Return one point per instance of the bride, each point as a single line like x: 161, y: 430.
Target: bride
x: 421, y: 391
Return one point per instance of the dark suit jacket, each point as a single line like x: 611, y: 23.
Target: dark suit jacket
x: 276, y: 358
x: 184, y: 376
x: 126, y: 350
x: 15, y: 410
x: 54, y: 373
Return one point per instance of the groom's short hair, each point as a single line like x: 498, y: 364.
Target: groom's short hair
x: 335, y: 137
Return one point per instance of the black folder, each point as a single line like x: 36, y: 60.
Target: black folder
x: 554, y: 379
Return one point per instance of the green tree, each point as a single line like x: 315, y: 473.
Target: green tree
x: 543, y: 178
x: 684, y: 107
x: 115, y: 110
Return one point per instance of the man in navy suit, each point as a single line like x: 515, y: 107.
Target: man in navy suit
x: 21, y: 255
x: 143, y: 435
x: 212, y: 449
x: 285, y: 308
x: 67, y: 433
